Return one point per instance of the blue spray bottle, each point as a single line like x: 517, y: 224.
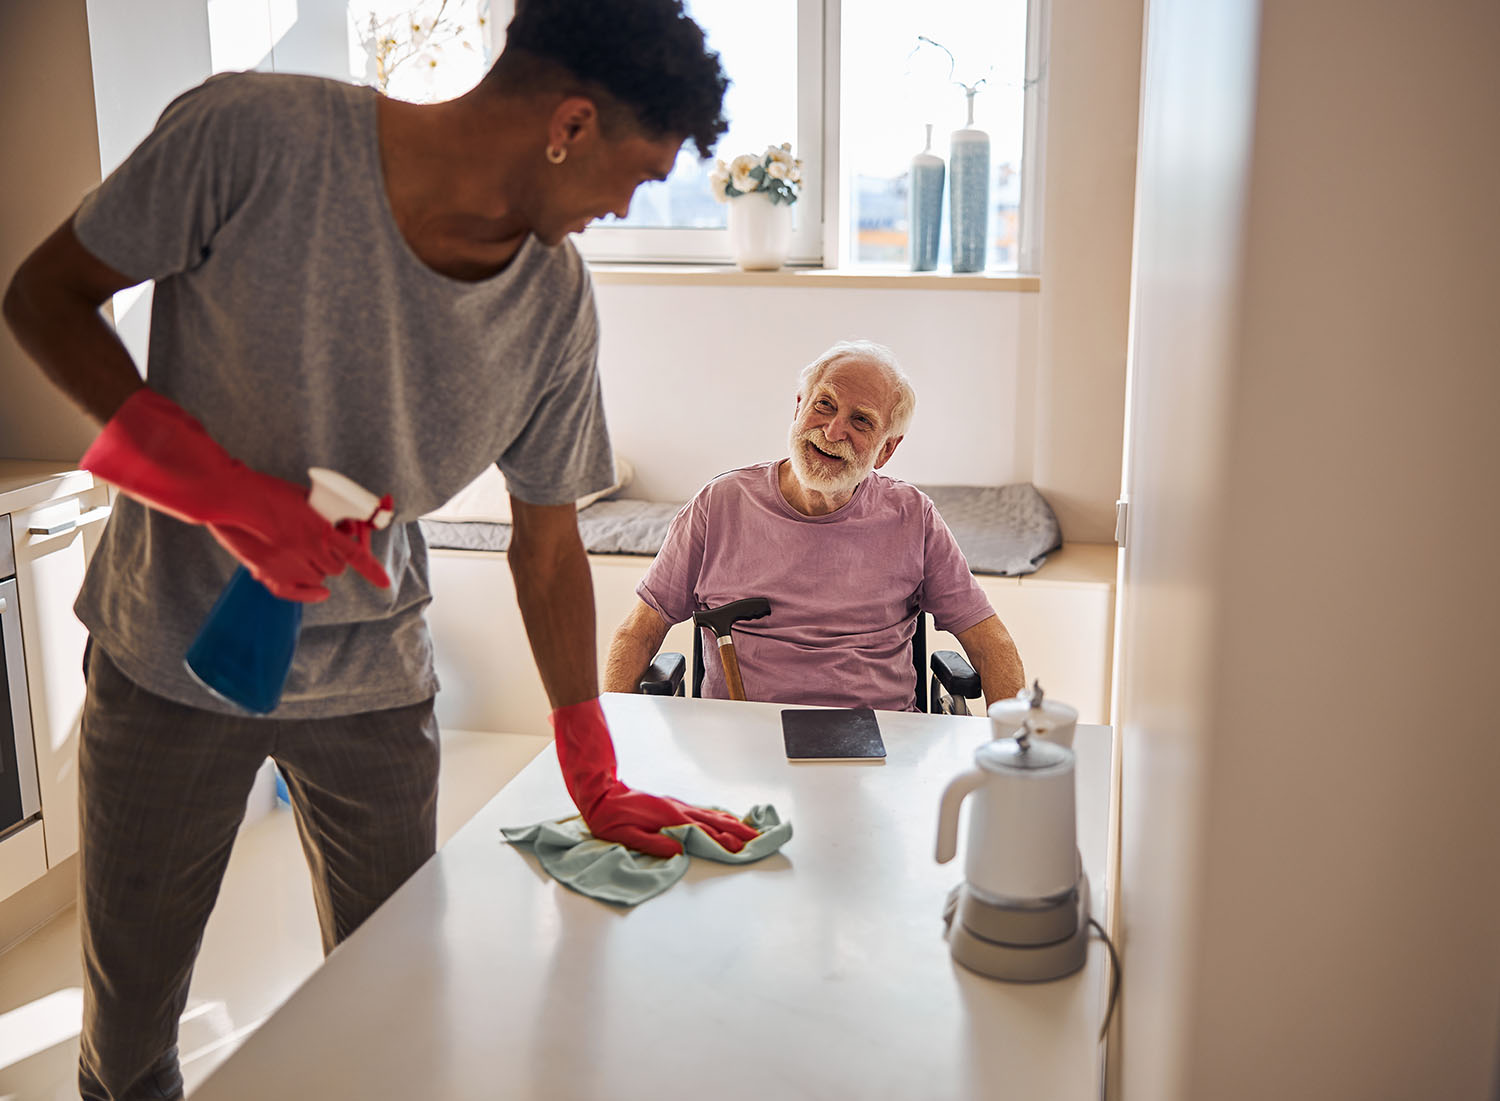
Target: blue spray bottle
x: 244, y: 649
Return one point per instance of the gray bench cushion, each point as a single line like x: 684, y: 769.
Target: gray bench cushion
x: 1006, y: 530
x: 607, y: 527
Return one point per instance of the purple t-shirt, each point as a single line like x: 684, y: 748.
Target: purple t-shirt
x: 844, y: 588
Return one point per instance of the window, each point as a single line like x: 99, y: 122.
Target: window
x: 852, y: 86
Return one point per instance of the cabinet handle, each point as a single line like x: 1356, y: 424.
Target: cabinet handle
x: 92, y: 516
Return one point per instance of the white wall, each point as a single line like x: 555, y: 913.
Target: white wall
x: 51, y: 160
x: 700, y: 379
x: 1310, y: 880
x: 144, y: 56
x: 1197, y: 92
x: 1092, y: 95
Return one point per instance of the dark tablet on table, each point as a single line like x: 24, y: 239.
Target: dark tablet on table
x: 831, y: 734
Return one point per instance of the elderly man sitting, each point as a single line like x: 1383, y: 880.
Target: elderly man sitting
x: 846, y: 556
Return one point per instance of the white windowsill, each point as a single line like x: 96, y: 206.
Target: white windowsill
x: 712, y: 275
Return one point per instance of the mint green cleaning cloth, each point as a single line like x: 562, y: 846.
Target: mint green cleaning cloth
x: 608, y: 871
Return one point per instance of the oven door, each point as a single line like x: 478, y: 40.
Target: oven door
x: 19, y: 798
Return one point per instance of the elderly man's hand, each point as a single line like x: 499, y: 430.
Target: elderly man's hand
x: 615, y: 812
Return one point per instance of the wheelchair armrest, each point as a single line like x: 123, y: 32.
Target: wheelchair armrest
x: 955, y: 674
x: 663, y: 677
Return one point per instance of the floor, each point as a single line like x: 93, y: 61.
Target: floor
x: 261, y: 942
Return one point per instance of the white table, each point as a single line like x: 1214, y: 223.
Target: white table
x: 820, y: 972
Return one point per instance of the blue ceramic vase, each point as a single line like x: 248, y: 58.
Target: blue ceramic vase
x: 925, y: 207
x: 969, y: 195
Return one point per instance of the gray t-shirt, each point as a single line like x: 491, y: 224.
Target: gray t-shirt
x: 292, y: 318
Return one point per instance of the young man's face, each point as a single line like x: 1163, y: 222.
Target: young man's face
x: 600, y: 178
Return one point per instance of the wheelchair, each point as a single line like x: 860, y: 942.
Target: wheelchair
x: 953, y: 681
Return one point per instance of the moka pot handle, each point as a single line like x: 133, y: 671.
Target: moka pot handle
x: 953, y: 795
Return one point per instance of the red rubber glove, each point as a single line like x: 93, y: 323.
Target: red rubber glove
x: 246, y: 547
x: 154, y: 451
x: 613, y: 811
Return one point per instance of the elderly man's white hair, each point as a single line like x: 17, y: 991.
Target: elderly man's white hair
x: 878, y: 355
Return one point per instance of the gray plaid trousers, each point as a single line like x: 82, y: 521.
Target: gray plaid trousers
x: 162, y: 790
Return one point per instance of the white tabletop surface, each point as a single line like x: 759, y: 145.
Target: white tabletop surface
x: 819, y: 972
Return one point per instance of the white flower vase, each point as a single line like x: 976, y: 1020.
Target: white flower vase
x: 760, y: 231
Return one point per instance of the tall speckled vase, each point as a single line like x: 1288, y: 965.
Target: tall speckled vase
x: 925, y: 207
x: 969, y: 195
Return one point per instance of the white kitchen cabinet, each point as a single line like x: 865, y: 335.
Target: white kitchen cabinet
x: 54, y: 539
x: 23, y: 860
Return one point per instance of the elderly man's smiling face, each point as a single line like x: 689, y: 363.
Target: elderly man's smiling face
x: 841, y: 430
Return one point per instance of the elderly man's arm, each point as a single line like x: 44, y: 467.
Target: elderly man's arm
x: 635, y: 643
x: 993, y: 654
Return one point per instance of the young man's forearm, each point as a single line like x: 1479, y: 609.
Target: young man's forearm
x: 52, y: 307
x: 556, y: 595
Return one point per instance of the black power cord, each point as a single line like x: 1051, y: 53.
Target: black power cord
x: 1114, y: 986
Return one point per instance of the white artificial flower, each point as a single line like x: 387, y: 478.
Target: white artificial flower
x: 421, y: 31
x: 781, y: 155
x: 718, y: 180
x: 739, y: 171
x: 796, y: 176
x: 779, y: 171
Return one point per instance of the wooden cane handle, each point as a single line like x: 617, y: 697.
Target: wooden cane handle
x: 732, y: 676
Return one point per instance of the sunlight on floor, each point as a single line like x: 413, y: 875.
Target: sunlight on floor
x: 38, y: 1025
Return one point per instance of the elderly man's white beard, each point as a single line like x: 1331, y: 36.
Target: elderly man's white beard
x: 842, y: 481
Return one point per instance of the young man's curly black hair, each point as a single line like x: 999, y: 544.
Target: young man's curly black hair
x: 645, y: 54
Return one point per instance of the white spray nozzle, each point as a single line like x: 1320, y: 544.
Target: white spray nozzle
x: 335, y: 498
